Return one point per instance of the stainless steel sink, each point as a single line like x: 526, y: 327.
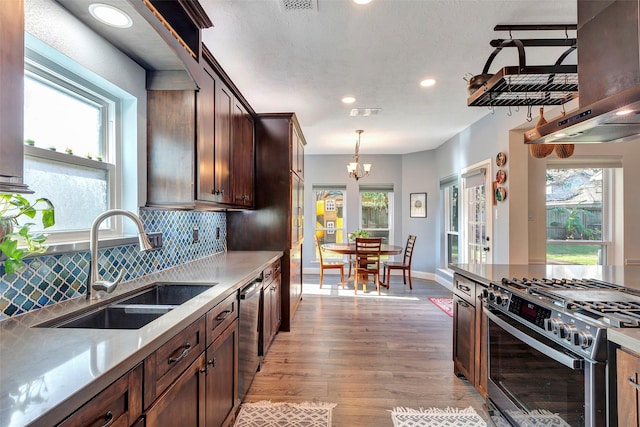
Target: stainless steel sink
x: 133, y: 311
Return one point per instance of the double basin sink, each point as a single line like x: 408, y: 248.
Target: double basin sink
x: 134, y: 311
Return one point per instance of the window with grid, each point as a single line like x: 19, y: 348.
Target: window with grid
x: 330, y: 217
x: 70, y: 146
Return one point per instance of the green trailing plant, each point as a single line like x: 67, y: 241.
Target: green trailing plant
x: 16, y: 239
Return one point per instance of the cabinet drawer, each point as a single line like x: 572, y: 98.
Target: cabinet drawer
x: 271, y: 272
x: 465, y: 288
x: 118, y: 405
x: 221, y: 316
x: 169, y: 361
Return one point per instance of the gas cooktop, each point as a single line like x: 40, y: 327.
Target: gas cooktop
x: 611, y: 304
x: 575, y: 313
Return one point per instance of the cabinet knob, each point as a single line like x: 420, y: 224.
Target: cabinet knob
x: 108, y: 417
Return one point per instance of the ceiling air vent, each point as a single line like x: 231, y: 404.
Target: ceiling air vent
x: 305, y: 5
x: 364, y: 112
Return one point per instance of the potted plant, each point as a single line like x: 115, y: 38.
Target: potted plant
x: 358, y: 233
x: 17, y: 240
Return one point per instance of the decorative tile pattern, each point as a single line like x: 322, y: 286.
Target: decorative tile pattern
x: 49, y: 279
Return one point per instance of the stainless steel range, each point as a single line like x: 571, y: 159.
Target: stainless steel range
x: 547, y: 343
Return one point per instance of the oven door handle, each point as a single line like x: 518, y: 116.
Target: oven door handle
x: 565, y: 359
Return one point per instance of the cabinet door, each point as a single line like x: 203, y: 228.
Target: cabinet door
x: 118, y: 405
x: 183, y: 403
x: 206, y: 137
x: 276, y: 315
x: 224, y: 109
x: 295, y: 279
x: 267, y: 315
x: 297, y: 153
x: 482, y: 345
x: 222, y: 378
x: 12, y: 90
x: 243, y: 157
x: 297, y: 214
x: 628, y: 379
x: 170, y: 147
x: 463, y: 338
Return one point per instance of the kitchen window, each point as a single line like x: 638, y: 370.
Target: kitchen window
x: 376, y: 208
x: 449, y: 188
x: 70, y: 146
x: 330, y: 218
x: 580, y: 206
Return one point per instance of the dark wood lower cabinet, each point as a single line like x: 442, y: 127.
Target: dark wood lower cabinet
x: 118, y: 405
x: 463, y: 338
x: 628, y: 379
x: 183, y: 403
x: 222, y: 378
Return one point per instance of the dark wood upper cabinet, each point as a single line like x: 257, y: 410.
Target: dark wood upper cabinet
x: 200, y: 144
x: 12, y: 99
x: 243, y: 157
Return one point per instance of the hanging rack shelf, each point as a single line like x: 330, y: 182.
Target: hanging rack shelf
x: 524, y: 85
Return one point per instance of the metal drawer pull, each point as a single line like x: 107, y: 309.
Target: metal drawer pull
x: 633, y: 382
x: 223, y: 315
x: 108, y: 417
x: 463, y: 303
x: 464, y: 288
x: 184, y: 353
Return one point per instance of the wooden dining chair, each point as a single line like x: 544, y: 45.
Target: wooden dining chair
x: 367, y: 262
x: 329, y: 265
x: 404, y: 265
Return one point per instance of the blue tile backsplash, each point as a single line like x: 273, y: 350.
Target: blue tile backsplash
x: 49, y: 279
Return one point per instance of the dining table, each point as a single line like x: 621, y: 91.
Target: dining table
x: 350, y: 249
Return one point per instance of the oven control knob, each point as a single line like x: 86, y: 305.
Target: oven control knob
x: 553, y: 325
x: 585, y: 339
x: 502, y: 298
x: 568, y: 331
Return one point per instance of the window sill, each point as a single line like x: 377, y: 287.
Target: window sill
x: 83, y: 245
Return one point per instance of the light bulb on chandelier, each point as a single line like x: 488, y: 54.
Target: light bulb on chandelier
x: 355, y: 169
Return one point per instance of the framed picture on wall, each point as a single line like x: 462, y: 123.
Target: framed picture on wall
x: 418, y: 205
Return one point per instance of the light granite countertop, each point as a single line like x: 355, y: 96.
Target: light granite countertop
x: 46, y: 373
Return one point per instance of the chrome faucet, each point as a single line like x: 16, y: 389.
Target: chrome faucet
x: 94, y: 278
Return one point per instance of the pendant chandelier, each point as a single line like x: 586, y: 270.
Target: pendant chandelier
x: 356, y: 170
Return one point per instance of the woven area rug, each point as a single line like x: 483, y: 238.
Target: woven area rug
x: 280, y: 414
x: 444, y: 304
x: 435, y: 417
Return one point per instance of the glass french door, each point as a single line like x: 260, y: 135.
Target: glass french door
x: 477, y: 215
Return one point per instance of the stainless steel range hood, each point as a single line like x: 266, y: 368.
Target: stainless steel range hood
x: 608, y: 78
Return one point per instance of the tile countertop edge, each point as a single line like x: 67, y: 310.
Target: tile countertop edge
x: 33, y: 358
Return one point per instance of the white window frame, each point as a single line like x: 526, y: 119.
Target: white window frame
x: 446, y: 186
x: 330, y: 230
x: 61, y: 78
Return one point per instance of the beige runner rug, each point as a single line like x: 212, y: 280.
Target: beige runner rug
x: 272, y: 414
x: 435, y: 417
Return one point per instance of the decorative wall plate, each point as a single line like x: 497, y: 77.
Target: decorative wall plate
x: 501, y: 159
x: 501, y: 176
x: 501, y: 194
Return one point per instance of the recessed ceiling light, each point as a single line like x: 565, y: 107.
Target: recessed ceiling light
x: 624, y: 112
x: 348, y: 100
x: 362, y: 1
x: 110, y: 15
x: 427, y: 82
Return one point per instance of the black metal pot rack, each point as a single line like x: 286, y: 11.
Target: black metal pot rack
x: 524, y: 85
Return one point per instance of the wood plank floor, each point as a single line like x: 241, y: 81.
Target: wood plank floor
x: 368, y: 354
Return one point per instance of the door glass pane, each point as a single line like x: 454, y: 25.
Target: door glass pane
x: 476, y: 225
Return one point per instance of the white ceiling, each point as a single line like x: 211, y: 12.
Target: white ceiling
x: 305, y: 61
